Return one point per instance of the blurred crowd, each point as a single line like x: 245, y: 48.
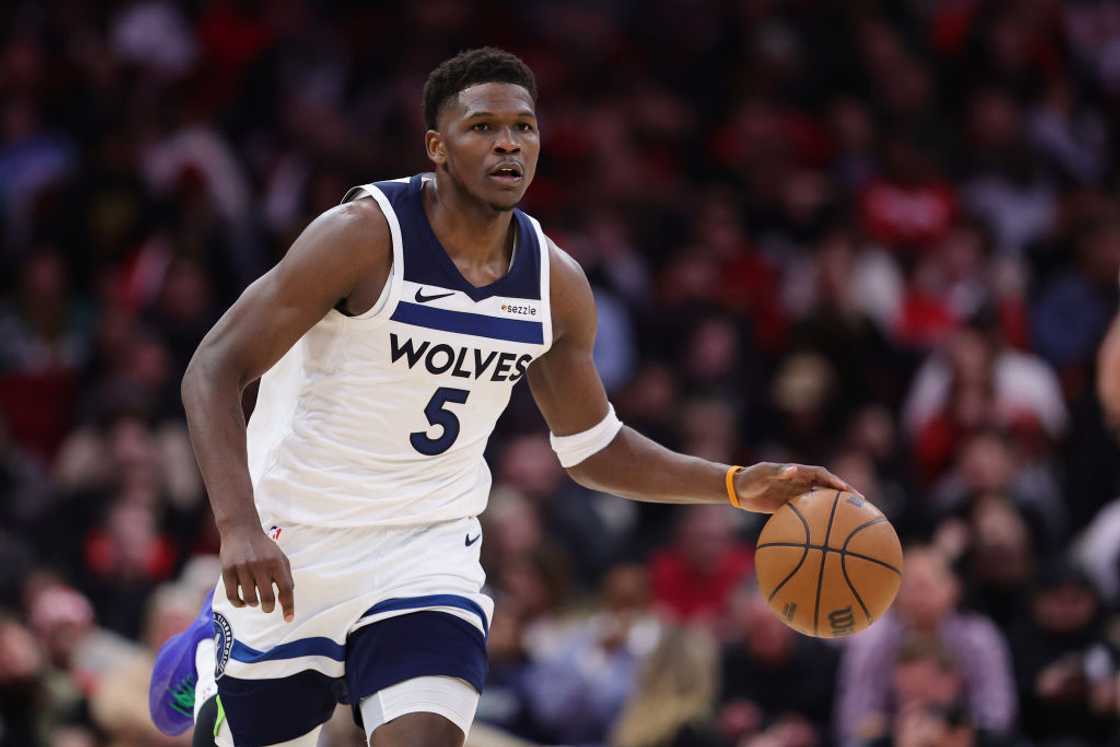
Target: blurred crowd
x: 879, y: 236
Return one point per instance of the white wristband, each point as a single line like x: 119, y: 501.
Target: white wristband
x: 575, y: 448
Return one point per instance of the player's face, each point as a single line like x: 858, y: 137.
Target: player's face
x: 488, y: 143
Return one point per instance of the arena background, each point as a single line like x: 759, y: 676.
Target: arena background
x: 880, y: 236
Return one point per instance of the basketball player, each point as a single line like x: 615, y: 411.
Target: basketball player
x: 387, y: 342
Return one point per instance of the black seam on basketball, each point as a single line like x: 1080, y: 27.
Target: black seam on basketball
x: 844, y: 561
x: 804, y: 552
x: 804, y: 522
x: 848, y: 581
x: 870, y: 559
x: 824, y: 557
x: 860, y: 528
x: 853, y: 554
x: 796, y: 568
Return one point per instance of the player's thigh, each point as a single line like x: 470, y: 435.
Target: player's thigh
x: 208, y: 732
x: 436, y: 711
x: 418, y: 730
x: 287, y: 711
x: 406, y: 662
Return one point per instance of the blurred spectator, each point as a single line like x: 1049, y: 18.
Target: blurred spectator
x: 989, y: 464
x: 998, y: 557
x: 506, y: 701
x: 34, y: 157
x: 1072, y: 136
x: 842, y: 328
x: 674, y: 696
x: 579, y: 685
x: 971, y: 384
x: 592, y: 527
x: 695, y: 578
x: 43, y: 343
x: 774, y: 680
x: 910, y: 207
x: 1066, y: 669
x: 926, y: 605
x: 927, y: 686
x: 1007, y: 190
x: 125, y: 557
x: 120, y: 704
x: 46, y: 329
x: 21, y: 668
x: 1072, y: 314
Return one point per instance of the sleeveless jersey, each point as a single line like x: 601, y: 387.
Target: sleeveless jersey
x: 381, y: 419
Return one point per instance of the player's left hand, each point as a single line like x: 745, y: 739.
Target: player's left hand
x: 766, y: 486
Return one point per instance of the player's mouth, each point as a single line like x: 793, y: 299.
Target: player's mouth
x: 509, y: 173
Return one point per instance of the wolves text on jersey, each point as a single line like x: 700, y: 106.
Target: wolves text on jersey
x: 463, y: 362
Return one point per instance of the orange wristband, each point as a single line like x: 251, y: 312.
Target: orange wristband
x: 729, y: 479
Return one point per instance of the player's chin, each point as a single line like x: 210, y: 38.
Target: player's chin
x: 503, y: 203
x: 505, y: 196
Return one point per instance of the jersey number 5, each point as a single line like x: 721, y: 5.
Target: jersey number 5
x: 438, y: 415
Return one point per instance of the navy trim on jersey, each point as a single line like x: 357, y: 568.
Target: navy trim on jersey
x: 419, y: 644
x: 426, y: 260
x: 318, y: 646
x: 466, y: 323
x: 431, y: 600
x: 264, y: 712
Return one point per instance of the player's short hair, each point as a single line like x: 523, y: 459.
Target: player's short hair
x: 466, y: 69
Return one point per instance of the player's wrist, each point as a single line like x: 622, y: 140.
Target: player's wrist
x: 730, y: 486
x: 238, y: 525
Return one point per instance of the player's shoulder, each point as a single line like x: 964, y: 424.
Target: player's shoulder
x: 566, y: 274
x: 350, y: 241
x: 357, y: 226
x: 361, y: 217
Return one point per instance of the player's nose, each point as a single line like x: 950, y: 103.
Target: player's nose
x: 506, y: 141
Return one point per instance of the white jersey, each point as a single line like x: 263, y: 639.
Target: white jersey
x: 381, y: 419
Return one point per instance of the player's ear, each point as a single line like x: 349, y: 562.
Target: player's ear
x: 433, y: 143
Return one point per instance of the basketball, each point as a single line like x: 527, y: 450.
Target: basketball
x: 829, y: 563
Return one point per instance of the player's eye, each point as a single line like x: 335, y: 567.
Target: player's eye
x: 525, y: 127
x: 480, y: 127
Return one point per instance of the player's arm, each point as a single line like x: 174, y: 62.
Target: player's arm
x: 570, y: 395
x: 1108, y: 375
x: 338, y: 251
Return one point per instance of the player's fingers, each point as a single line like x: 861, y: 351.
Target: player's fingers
x: 820, y: 477
x: 229, y: 580
x: 248, y: 586
x: 286, y: 587
x: 263, y: 578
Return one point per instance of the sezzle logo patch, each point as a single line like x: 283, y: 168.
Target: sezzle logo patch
x: 223, y: 643
x: 520, y: 310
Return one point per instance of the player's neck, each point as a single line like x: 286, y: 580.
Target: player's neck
x: 476, y: 236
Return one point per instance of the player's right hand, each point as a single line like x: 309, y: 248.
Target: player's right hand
x: 251, y: 565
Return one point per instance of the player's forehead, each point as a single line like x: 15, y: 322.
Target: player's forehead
x: 507, y: 99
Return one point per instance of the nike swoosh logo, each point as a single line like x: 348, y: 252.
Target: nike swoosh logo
x: 470, y: 541
x: 421, y: 298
